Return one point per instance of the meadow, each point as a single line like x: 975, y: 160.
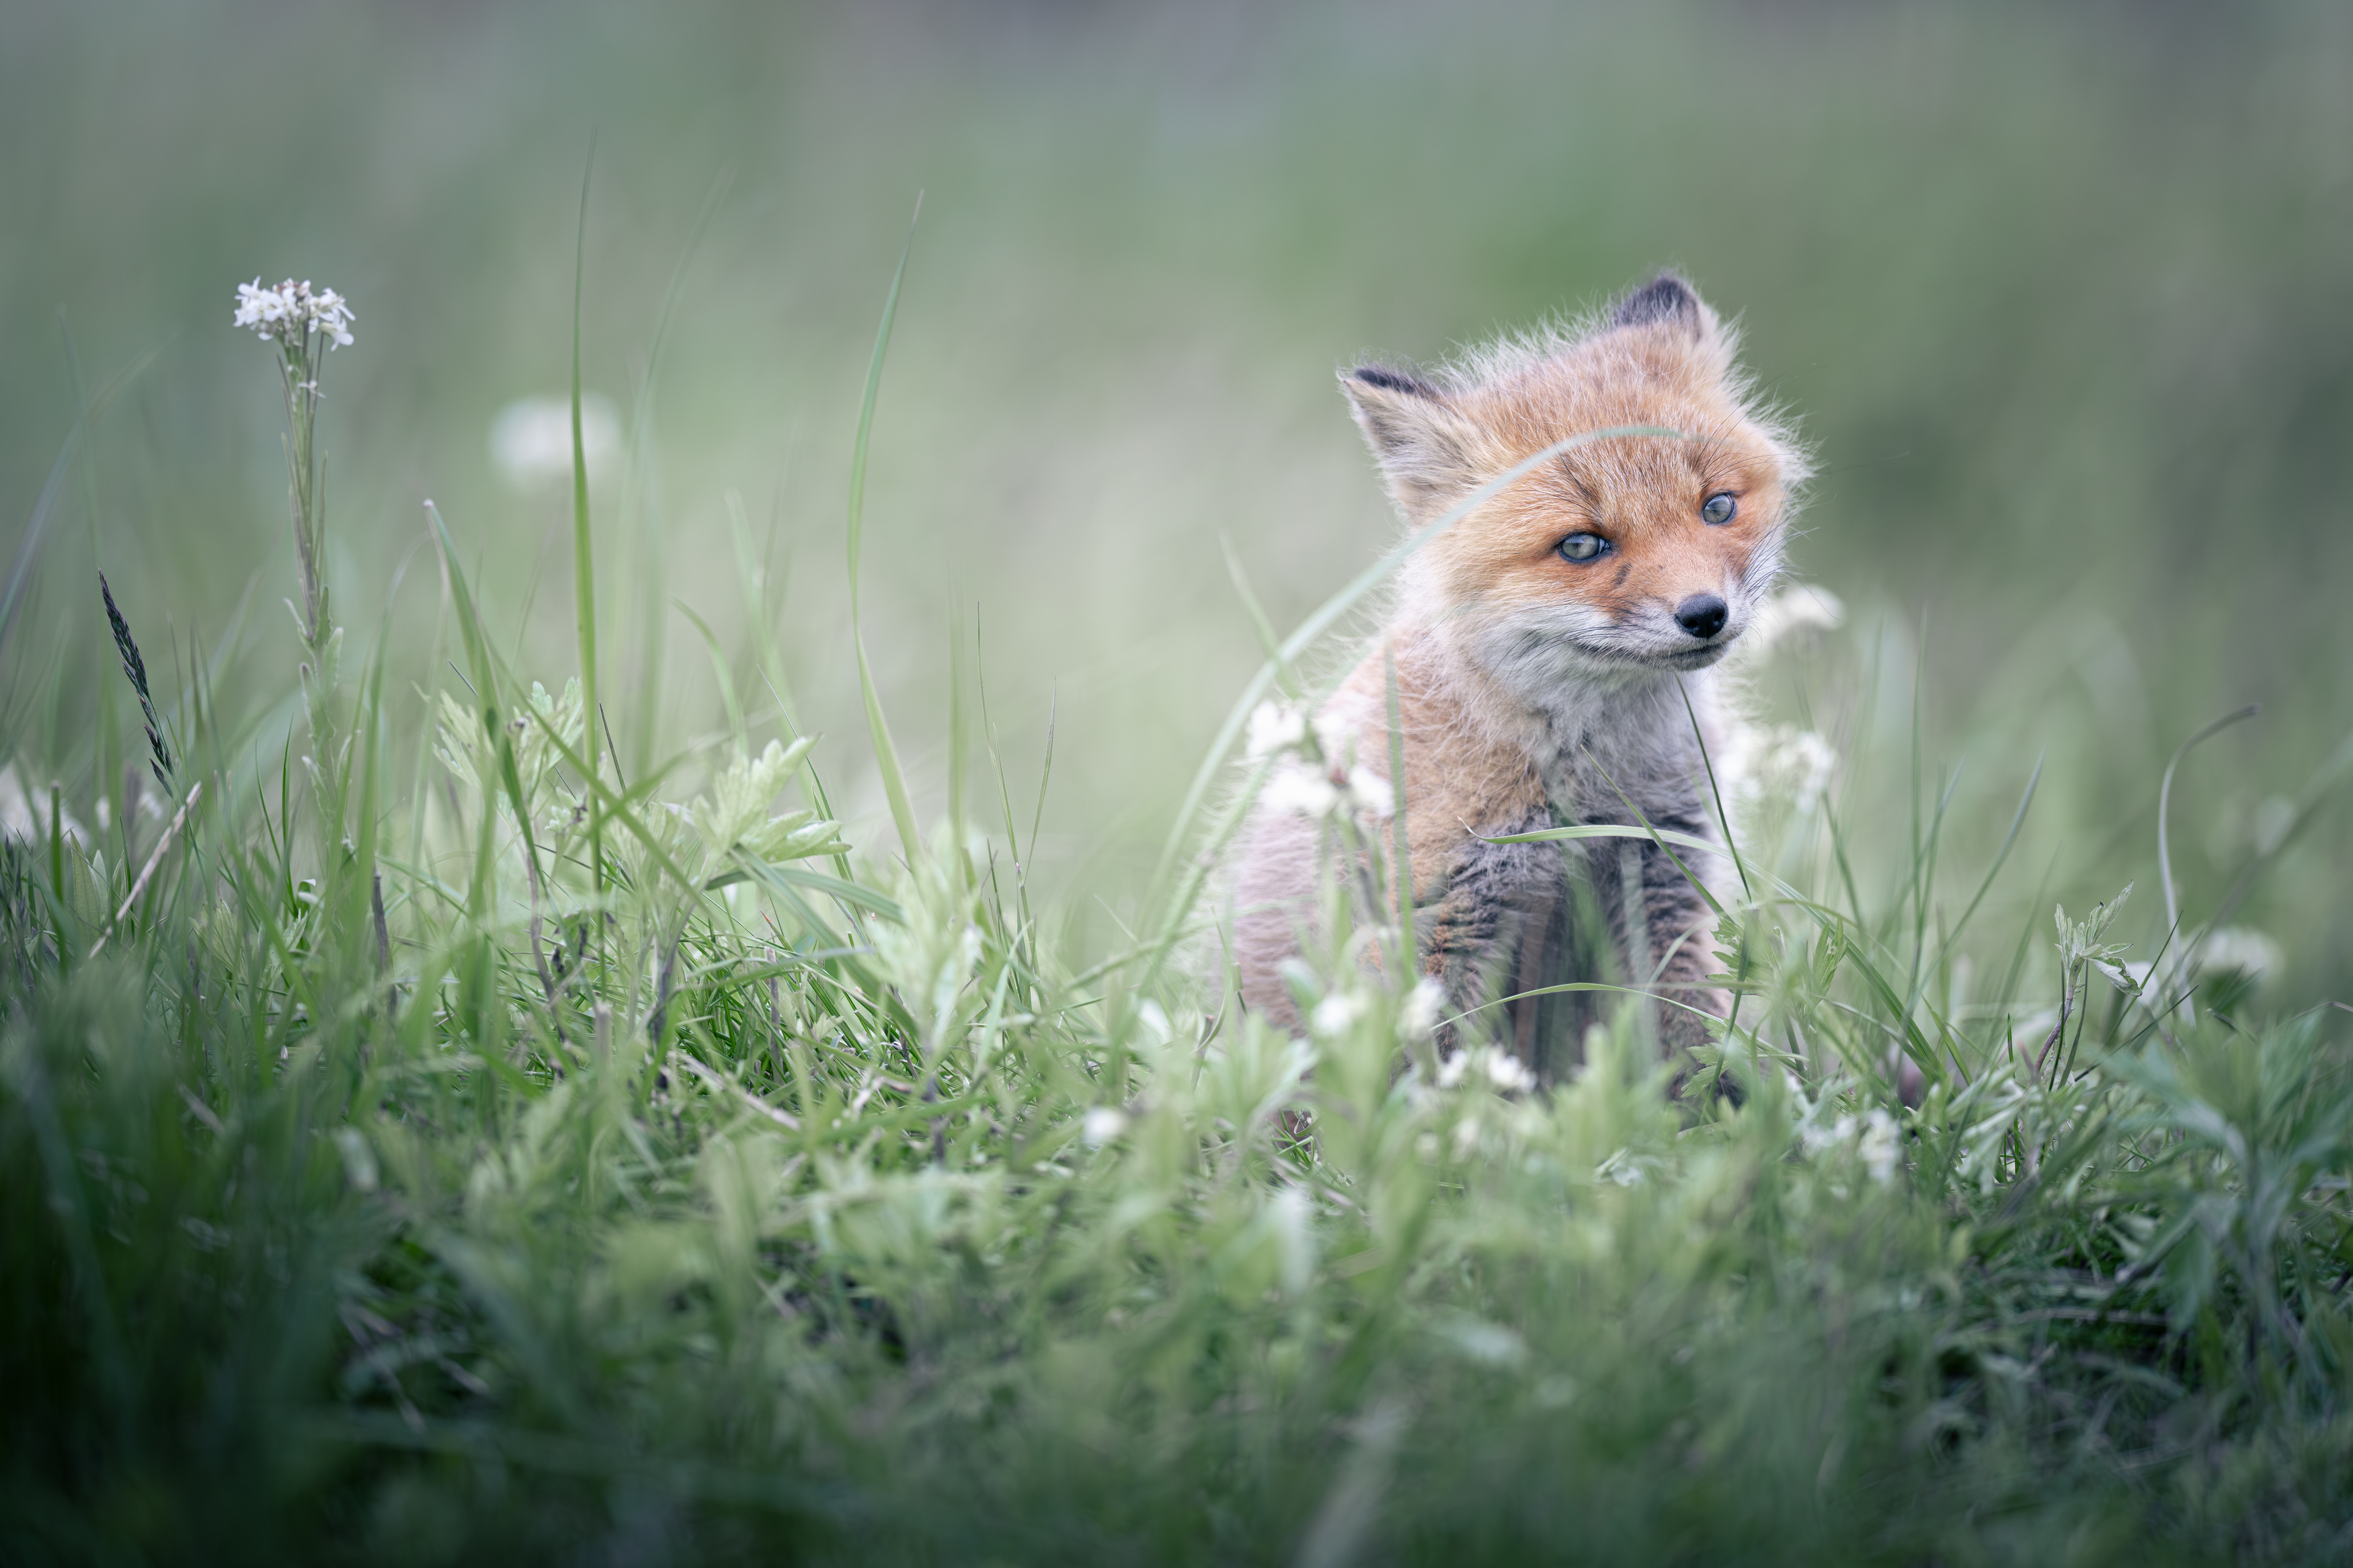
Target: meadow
x: 617, y: 1032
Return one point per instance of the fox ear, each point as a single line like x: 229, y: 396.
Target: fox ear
x: 1424, y: 448
x: 1665, y: 300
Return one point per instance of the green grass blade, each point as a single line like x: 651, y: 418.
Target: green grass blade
x: 2165, y: 800
x: 1401, y: 867
x: 502, y: 739
x: 28, y: 544
x: 1606, y: 830
x: 583, y: 560
x: 816, y: 881
x: 959, y: 739
x: 886, y: 754
x: 719, y: 672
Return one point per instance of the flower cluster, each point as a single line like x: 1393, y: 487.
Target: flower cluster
x: 1337, y: 1014
x: 26, y: 816
x: 1801, y: 608
x: 1781, y: 765
x: 1323, y: 795
x: 2239, y: 949
x: 1876, y: 1137
x: 291, y: 312
x: 1318, y: 779
x: 1102, y: 1125
x: 1880, y: 1145
x: 530, y: 440
x: 1500, y: 1067
x: 1275, y: 728
x: 1424, y: 1006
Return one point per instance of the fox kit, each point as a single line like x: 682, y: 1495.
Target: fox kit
x: 1552, y: 652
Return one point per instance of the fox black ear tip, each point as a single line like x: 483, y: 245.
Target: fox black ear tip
x: 1666, y: 298
x: 1387, y: 380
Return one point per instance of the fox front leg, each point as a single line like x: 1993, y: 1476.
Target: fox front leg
x: 1665, y: 932
x: 1472, y: 933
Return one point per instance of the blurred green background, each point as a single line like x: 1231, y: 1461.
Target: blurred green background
x: 2062, y: 296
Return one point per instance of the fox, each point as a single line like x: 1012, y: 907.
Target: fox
x: 1554, y: 653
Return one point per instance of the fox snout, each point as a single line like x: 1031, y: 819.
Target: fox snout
x: 1675, y: 630
x: 1703, y: 615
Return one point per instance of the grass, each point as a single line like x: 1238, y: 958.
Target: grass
x: 554, y: 1162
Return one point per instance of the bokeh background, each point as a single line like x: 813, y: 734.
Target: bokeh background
x: 2062, y: 296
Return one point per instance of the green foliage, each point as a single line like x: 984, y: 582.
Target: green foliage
x: 686, y: 1203
x: 442, y: 1146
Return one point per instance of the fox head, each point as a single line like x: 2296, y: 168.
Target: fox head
x: 1624, y: 554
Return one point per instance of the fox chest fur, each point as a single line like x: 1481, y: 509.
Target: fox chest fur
x: 1613, y: 506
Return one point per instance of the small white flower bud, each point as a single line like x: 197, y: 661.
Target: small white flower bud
x: 1417, y: 1017
x: 1800, y: 609
x: 291, y: 310
x: 1880, y: 1146
x: 1275, y: 728
x: 1336, y: 1014
x: 1508, y: 1072
x: 1369, y: 794
x: 1298, y: 793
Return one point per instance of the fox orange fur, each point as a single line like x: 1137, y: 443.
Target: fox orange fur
x: 1552, y: 653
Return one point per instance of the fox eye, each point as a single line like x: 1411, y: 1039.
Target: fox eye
x: 1718, y: 508
x: 1583, y: 546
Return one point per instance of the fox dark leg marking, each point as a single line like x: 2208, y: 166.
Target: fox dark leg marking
x: 1674, y: 949
x: 1531, y: 972
x: 1477, y: 926
x: 1566, y: 942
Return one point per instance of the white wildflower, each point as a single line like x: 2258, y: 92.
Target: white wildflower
x: 530, y: 440
x: 1779, y: 763
x: 1102, y: 1125
x: 25, y: 816
x: 1295, y: 792
x: 1508, y: 1072
x: 1417, y: 1017
x: 1813, y: 1137
x: 1879, y: 1146
x: 291, y: 313
x: 1802, y: 608
x: 1275, y: 728
x: 1500, y: 1068
x: 258, y: 308
x: 1466, y: 1136
x: 2239, y: 949
x: 1303, y: 792
x: 1336, y: 1014
x: 1335, y: 738
x: 1368, y: 794
x: 330, y: 314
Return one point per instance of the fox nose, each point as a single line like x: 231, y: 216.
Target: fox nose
x: 1702, y: 615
